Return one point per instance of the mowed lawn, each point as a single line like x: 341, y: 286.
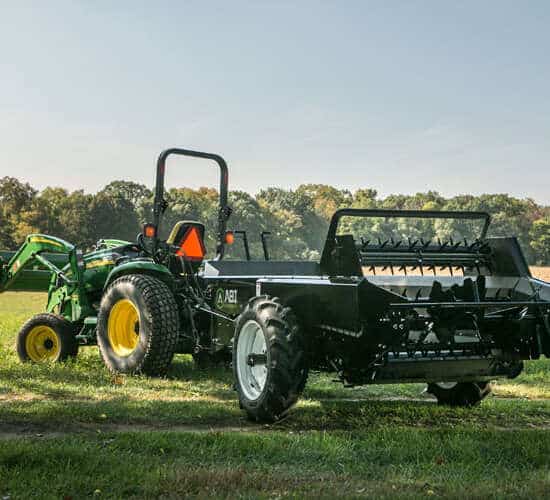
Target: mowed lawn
x: 74, y: 430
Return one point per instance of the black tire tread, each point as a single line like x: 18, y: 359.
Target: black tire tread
x: 164, y: 317
x: 464, y: 394
x: 64, y: 329
x: 288, y: 374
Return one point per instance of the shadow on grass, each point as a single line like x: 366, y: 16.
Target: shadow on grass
x: 195, y: 414
x: 68, y: 416
x: 309, y: 415
x: 184, y: 369
x: 86, y: 378
x: 83, y: 392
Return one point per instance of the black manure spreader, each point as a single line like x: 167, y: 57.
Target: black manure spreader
x: 452, y: 311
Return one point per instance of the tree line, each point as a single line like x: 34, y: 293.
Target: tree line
x: 297, y: 219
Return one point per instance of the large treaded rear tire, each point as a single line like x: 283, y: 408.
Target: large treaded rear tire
x: 158, y: 325
x: 285, y: 359
x: 463, y: 394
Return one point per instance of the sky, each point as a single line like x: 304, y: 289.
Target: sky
x: 400, y: 96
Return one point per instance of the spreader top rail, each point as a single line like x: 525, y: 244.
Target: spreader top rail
x: 411, y: 214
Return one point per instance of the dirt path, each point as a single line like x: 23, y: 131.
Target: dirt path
x: 18, y: 430
x: 35, y: 431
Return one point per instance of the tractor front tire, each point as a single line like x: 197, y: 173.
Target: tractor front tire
x: 462, y: 394
x: 138, y: 325
x: 268, y: 359
x: 46, y: 338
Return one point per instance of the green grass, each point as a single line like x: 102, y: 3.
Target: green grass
x: 74, y: 430
x: 408, y: 462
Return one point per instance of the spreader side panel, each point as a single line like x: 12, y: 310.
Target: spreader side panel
x: 319, y: 302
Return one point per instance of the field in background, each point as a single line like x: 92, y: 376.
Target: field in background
x: 74, y: 430
x: 542, y: 273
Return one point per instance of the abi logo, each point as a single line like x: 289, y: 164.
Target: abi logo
x: 226, y: 297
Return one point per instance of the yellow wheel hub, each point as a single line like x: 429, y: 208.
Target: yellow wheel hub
x: 42, y: 344
x: 123, y: 327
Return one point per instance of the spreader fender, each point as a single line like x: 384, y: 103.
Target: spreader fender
x: 141, y: 267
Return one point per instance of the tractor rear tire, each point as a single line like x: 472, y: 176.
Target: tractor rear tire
x: 138, y: 325
x: 268, y: 359
x: 463, y: 394
x: 47, y: 338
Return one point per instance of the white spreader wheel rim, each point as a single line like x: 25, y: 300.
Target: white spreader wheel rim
x: 446, y: 385
x: 252, y: 360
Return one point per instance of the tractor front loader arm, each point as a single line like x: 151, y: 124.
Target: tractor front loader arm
x: 34, y: 251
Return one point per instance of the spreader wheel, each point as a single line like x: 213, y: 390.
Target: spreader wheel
x: 46, y: 338
x: 464, y: 394
x: 268, y: 359
x: 137, y: 326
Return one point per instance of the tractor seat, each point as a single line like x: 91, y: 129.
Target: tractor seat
x: 189, y: 237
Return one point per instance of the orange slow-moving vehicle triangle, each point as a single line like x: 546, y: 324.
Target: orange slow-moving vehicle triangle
x: 192, y: 246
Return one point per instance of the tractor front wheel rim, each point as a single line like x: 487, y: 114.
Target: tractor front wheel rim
x: 123, y: 328
x: 42, y: 344
x: 252, y: 346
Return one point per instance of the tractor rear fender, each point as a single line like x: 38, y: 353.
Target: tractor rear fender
x: 141, y: 267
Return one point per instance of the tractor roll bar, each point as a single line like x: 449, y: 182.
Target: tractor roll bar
x: 160, y: 203
x: 419, y: 214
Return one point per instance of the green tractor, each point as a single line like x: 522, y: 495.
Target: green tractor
x: 131, y: 299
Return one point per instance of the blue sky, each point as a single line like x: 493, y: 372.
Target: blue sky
x: 399, y: 96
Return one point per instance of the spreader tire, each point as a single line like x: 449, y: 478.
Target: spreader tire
x: 138, y: 325
x: 462, y: 394
x: 268, y: 359
x: 46, y: 338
